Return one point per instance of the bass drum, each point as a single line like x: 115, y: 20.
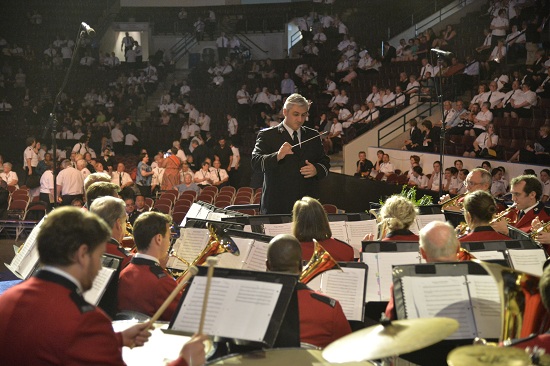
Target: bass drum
x: 281, y: 356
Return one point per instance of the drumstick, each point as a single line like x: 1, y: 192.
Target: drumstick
x: 309, y: 139
x: 211, y: 261
x: 190, y: 273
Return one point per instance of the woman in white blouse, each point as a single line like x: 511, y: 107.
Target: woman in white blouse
x: 486, y: 140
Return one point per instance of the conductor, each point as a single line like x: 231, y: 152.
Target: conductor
x: 291, y: 158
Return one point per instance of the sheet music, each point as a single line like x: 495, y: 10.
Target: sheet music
x: 339, y: 231
x: 486, y: 305
x: 193, y: 213
x: 216, y: 216
x: 188, y: 246
x: 373, y: 279
x: 488, y: 255
x: 101, y: 281
x: 385, y: 271
x: 441, y: 296
x: 423, y: 220
x: 527, y: 260
x: 347, y: 287
x: 357, y: 230
x: 24, y: 262
x: 238, y: 309
x: 228, y: 260
x: 247, y: 228
x: 257, y: 256
x: 276, y: 229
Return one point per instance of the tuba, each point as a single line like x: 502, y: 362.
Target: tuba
x: 320, y: 261
x: 453, y: 204
x: 522, y: 311
x: 218, y: 243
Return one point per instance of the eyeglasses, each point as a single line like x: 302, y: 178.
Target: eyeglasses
x: 470, y: 183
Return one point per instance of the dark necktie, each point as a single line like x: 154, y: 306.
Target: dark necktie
x: 489, y: 97
x: 510, y: 97
x: 521, y: 214
x: 120, y: 178
x: 295, y: 138
x: 219, y: 177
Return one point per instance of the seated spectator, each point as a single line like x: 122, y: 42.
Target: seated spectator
x: 219, y: 176
x: 9, y: 176
x: 203, y: 176
x: 364, y: 166
x: 386, y: 167
x: 334, y: 140
x: 498, y: 187
x: 450, y: 181
x: 433, y: 183
x: 123, y: 180
x: 416, y: 138
x: 430, y: 136
x: 188, y: 184
x: 539, y: 153
x: 481, y: 120
x: 417, y: 178
x: 521, y: 103
x: 485, y: 142
x: 461, y: 179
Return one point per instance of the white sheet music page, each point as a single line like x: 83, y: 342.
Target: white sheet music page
x: 385, y: 271
x: 240, y: 309
x: 190, y: 244
x: 440, y: 296
x: 347, y: 287
x: 247, y: 228
x: 357, y: 230
x: 276, y: 229
x: 527, y: 260
x: 101, y: 281
x: 24, y: 262
x: 488, y: 254
x: 339, y: 231
x: 216, y: 216
x: 486, y: 305
x: 423, y: 220
x: 255, y: 260
x: 373, y: 279
x: 193, y: 213
x: 229, y: 260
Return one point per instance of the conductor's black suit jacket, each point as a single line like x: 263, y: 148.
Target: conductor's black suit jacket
x: 283, y: 182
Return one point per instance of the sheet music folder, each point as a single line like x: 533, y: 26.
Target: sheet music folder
x: 460, y: 290
x: 246, y: 307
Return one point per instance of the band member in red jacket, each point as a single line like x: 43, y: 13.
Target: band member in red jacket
x: 479, y: 208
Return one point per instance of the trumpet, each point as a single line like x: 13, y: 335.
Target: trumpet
x: 502, y: 215
x: 453, y: 204
x: 320, y: 261
x: 545, y: 228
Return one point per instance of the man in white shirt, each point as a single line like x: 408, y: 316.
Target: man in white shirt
x: 232, y: 125
x: 433, y: 183
x: 521, y: 103
x: 234, y: 173
x: 70, y: 184
x: 494, y: 96
x: 123, y: 180
x: 426, y: 67
x: 81, y: 166
x: 219, y: 176
x: 9, y: 176
x: 117, y: 136
x: 386, y: 167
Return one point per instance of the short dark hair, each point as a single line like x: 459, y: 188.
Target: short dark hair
x: 101, y: 189
x: 427, y: 123
x: 67, y: 228
x: 417, y: 169
x: 532, y: 184
x: 284, y: 254
x: 147, y: 225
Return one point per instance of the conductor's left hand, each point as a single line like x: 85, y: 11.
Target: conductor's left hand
x: 308, y: 170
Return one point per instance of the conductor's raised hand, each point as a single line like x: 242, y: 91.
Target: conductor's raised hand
x: 284, y: 150
x: 309, y: 170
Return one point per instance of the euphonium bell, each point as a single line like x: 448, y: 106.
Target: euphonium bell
x: 522, y: 311
x: 320, y: 261
x: 218, y: 243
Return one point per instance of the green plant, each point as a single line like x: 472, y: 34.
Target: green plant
x: 410, y: 194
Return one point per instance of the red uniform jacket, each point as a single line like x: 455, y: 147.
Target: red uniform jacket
x: 524, y: 224
x: 541, y: 341
x: 340, y: 251
x: 114, y: 248
x: 45, y: 321
x: 484, y: 233
x: 143, y: 286
x: 322, y: 319
x: 401, y: 235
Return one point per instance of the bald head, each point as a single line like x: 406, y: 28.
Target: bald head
x: 284, y: 254
x: 438, y: 242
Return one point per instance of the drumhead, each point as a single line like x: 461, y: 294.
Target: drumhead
x: 280, y: 356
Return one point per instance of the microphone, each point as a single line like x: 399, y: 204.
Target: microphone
x: 88, y: 29
x: 441, y: 52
